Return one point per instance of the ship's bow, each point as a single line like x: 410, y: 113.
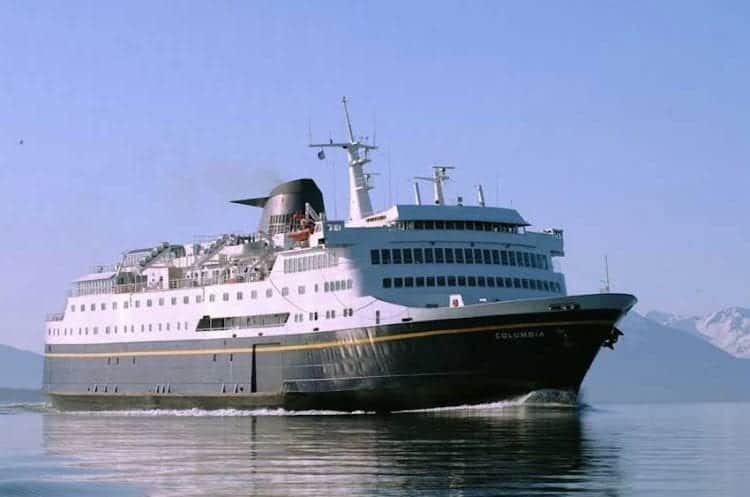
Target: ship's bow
x: 468, y: 355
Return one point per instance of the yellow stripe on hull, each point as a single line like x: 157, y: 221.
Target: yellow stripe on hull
x: 315, y: 346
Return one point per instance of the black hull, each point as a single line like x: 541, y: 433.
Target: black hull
x: 383, y: 368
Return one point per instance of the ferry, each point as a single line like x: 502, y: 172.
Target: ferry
x: 416, y: 306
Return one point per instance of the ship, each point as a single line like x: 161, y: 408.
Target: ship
x: 415, y: 306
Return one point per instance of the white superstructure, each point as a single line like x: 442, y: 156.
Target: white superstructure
x: 303, y: 273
